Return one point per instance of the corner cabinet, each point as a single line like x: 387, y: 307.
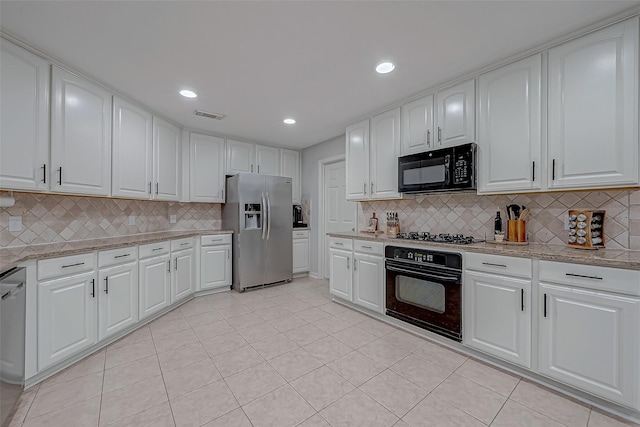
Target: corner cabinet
x: 206, y: 183
x: 372, y: 164
x: 593, y: 109
x: 510, y: 128
x: 132, y: 151
x: 166, y: 160
x: 24, y: 134
x: 80, y: 136
x: 290, y: 167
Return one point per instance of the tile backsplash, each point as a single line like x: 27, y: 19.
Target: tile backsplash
x: 54, y: 218
x: 474, y: 215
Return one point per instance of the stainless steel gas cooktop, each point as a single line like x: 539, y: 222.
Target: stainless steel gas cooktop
x: 455, y: 239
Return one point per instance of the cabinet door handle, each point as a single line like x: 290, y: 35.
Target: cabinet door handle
x: 439, y: 135
x: 223, y: 194
x: 338, y: 243
x: 553, y: 170
x: 60, y: 176
x: 364, y: 185
x: 494, y: 265
x: 106, y: 285
x: 258, y: 168
x: 545, y: 306
x: 44, y: 173
x: 355, y: 265
x: 533, y: 171
x: 157, y: 188
x: 584, y: 277
x: 122, y: 256
x: 149, y: 187
x: 185, y: 243
x: 156, y: 249
x: 371, y: 192
x: 73, y: 265
x: 521, y: 299
x: 175, y: 264
x: 169, y: 270
x: 366, y: 247
x: 428, y: 138
x: 348, y: 264
x: 93, y: 288
x: 251, y: 167
x: 228, y: 254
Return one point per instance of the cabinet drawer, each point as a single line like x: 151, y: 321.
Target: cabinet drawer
x: 504, y: 265
x: 364, y: 246
x: 340, y: 243
x: 592, y: 277
x: 153, y: 249
x: 215, y: 239
x: 117, y: 256
x: 302, y: 234
x: 65, y: 266
x: 180, y: 244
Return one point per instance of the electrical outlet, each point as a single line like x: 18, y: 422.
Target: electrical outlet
x: 172, y: 219
x: 15, y: 224
x: 566, y: 221
x: 132, y: 220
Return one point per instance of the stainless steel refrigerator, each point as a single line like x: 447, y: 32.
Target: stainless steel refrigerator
x: 258, y: 210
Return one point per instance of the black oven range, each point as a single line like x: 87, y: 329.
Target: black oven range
x: 424, y: 288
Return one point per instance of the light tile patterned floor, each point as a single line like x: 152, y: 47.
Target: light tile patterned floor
x: 288, y: 356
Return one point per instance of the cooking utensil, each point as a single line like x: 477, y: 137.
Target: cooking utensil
x: 514, y: 211
x: 525, y: 213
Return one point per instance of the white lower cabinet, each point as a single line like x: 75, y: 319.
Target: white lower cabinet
x: 368, y: 285
x: 117, y: 299
x: 182, y: 274
x: 357, y: 272
x: 66, y: 317
x: 155, y: 281
x: 300, y: 251
x: 498, y: 316
x: 215, y: 262
x: 589, y: 339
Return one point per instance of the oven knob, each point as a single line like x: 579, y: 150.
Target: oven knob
x: 430, y: 258
x: 410, y: 255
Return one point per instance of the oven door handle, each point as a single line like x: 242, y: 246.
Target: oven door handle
x: 422, y: 273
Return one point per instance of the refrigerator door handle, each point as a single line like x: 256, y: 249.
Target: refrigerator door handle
x: 264, y: 219
x: 268, y: 216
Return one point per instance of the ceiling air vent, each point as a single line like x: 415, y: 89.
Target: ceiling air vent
x: 209, y: 115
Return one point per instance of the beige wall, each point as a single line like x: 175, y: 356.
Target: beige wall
x: 54, y: 218
x: 473, y: 215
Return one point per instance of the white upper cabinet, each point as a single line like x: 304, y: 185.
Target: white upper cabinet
x: 357, y: 160
x: 267, y: 160
x: 80, y: 136
x: 593, y: 109
x: 290, y: 167
x: 240, y: 157
x: 132, y: 145
x: 510, y: 128
x: 166, y: 160
x: 24, y: 131
x: 417, y: 126
x: 384, y: 152
x: 206, y: 183
x: 455, y: 115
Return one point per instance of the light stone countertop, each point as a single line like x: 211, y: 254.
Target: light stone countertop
x: 617, y: 258
x: 11, y: 257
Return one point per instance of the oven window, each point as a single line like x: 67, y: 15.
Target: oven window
x: 424, y: 175
x: 421, y: 293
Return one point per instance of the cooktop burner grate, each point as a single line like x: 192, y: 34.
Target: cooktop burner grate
x: 455, y: 239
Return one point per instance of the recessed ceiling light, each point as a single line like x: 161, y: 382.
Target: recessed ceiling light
x: 188, y: 93
x: 289, y: 121
x: 385, y: 67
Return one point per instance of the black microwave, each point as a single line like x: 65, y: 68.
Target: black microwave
x: 447, y: 169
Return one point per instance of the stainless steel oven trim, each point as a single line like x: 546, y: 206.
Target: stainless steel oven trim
x: 423, y: 274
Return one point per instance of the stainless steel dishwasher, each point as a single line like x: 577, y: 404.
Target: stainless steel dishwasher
x: 12, y: 320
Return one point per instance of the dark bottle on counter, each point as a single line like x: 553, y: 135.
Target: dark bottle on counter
x: 498, y: 223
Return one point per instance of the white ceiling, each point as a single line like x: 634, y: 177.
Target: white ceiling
x: 259, y: 62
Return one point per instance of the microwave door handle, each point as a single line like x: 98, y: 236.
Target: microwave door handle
x: 430, y: 276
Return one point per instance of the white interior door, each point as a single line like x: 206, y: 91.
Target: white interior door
x: 339, y: 213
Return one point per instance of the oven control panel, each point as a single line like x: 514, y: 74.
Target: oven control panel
x: 425, y: 256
